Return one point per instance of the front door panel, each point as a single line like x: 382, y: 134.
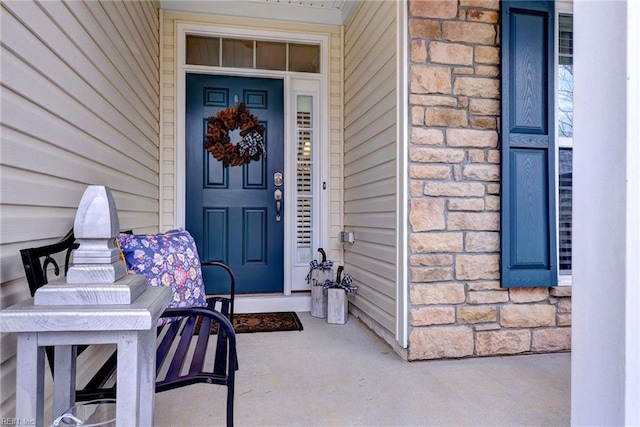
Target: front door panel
x: 231, y: 211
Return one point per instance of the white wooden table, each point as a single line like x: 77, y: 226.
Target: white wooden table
x: 132, y: 327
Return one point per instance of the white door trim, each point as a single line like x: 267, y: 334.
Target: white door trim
x: 182, y: 29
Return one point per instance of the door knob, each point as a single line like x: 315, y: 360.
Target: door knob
x: 277, y: 195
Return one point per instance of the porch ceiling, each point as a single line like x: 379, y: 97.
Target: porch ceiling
x: 332, y: 12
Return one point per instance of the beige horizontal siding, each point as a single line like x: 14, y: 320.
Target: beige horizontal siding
x: 80, y: 106
x: 370, y: 164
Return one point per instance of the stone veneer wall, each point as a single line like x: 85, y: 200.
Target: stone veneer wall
x: 458, y: 308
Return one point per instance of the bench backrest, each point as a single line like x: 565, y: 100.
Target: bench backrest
x: 36, y: 261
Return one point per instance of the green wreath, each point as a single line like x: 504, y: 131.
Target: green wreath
x: 218, y: 142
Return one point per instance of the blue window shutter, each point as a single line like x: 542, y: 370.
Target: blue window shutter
x: 528, y: 204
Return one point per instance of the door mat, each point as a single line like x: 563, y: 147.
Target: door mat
x: 261, y: 322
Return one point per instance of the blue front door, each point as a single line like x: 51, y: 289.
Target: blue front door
x: 231, y: 211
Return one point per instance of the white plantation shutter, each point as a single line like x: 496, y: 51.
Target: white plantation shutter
x: 304, y: 165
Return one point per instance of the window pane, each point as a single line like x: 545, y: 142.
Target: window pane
x: 271, y: 56
x: 304, y: 165
x: 565, y: 184
x: 203, y: 50
x: 237, y: 53
x: 565, y: 77
x: 304, y: 57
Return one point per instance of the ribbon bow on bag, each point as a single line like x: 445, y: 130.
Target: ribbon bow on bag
x: 341, y: 283
x: 322, y: 265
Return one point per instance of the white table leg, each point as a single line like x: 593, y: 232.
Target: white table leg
x: 128, y: 380
x: 147, y: 375
x: 64, y: 395
x: 30, y: 380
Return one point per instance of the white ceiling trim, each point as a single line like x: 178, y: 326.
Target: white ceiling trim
x: 331, y: 12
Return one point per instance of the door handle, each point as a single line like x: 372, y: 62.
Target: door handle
x: 277, y: 195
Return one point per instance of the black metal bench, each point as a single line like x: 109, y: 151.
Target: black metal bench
x: 181, y: 353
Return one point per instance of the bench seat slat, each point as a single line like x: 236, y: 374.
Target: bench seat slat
x: 200, y: 350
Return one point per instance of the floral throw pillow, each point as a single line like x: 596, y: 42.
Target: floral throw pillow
x: 167, y: 259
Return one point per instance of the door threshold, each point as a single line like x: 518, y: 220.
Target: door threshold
x: 276, y: 302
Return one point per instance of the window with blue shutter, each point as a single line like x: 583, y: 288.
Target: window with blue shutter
x: 528, y: 204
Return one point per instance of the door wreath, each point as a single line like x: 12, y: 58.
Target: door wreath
x: 218, y: 140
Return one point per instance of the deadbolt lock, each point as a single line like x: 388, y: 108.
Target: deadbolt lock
x: 277, y: 179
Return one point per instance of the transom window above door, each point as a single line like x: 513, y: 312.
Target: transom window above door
x: 254, y: 54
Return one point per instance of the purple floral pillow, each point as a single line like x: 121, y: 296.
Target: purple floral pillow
x: 167, y: 259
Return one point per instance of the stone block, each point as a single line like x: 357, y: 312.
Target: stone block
x: 560, y: 291
x: 477, y: 267
x: 487, y: 285
x: 427, y: 214
x: 442, y: 172
x: 457, y: 173
x: 483, y: 122
x: 422, y: 136
x: 482, y: 221
x: 564, y: 305
x: 431, y: 274
x: 417, y: 119
x: 492, y: 203
x: 475, y: 155
x: 493, y: 189
x: 463, y: 71
x: 454, y: 189
x: 418, y: 51
x: 445, y: 117
x: 440, y: 342
x: 524, y: 295
x: 426, y: 316
x: 487, y: 71
x: 487, y: 55
x: 486, y: 327
x: 437, y: 293
x: 469, y: 32
x: 481, y: 172
x: 416, y: 188
x: 475, y: 204
x: 445, y: 101
x: 493, y: 156
x: 484, y: 4
x: 472, y: 138
x: 477, y: 86
x: 477, y: 314
x: 489, y: 17
x: 483, y: 241
x: 431, y: 260
x: 436, y: 155
x: 427, y: 79
x: 527, y: 315
x: 487, y: 297
x: 450, y: 53
x: 435, y: 242
x: 502, y: 342
x: 441, y: 9
x: 484, y: 107
x: 563, y: 319
x: 424, y: 28
x: 550, y: 340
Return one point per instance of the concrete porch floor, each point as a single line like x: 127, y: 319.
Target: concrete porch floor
x: 344, y: 375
